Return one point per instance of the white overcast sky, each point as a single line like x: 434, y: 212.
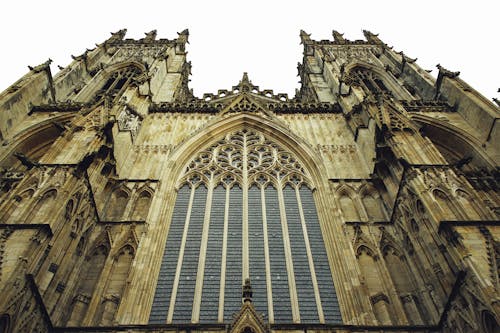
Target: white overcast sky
x: 259, y: 37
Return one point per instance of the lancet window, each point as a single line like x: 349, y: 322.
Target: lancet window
x: 245, y: 209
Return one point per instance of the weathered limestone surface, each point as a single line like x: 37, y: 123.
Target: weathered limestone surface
x: 402, y: 169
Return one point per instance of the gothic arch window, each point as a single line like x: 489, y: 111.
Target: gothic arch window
x: 117, y: 82
x: 370, y: 82
x: 245, y: 209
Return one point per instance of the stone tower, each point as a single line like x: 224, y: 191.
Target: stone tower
x: 367, y: 202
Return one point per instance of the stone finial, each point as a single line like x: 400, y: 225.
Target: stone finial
x: 247, y: 291
x: 338, y: 37
x: 371, y: 37
x: 180, y: 42
x: 305, y: 37
x: 150, y: 36
x: 244, y: 79
x: 443, y: 71
x: 184, y: 32
x: 245, y: 85
x: 41, y: 67
x: 117, y: 36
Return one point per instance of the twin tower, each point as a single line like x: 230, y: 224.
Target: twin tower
x: 368, y: 201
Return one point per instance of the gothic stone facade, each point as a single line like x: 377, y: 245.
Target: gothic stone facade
x: 367, y: 202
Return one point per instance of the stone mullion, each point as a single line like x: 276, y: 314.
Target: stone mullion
x: 175, y: 285
x: 195, y: 316
x: 310, y: 258
x: 288, y: 255
x: 267, y: 256
x: 220, y: 317
x: 244, y: 231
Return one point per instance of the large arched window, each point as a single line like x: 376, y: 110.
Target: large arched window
x: 370, y: 82
x: 117, y: 82
x: 245, y: 209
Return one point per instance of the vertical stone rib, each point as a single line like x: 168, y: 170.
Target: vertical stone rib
x: 223, y: 259
x: 195, y: 316
x: 170, y: 314
x: 288, y: 256
x: 310, y: 258
x: 266, y: 257
x: 245, y: 251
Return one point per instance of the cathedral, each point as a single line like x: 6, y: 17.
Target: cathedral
x: 367, y: 202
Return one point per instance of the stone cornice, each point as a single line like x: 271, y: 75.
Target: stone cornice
x: 198, y: 106
x: 58, y: 107
x: 427, y: 106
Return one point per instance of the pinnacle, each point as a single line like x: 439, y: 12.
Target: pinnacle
x: 244, y: 79
x: 304, y: 36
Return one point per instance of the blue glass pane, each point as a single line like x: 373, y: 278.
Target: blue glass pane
x: 185, y: 291
x: 170, y: 255
x: 232, y: 290
x: 326, y: 287
x: 256, y: 248
x: 279, y: 278
x: 211, y: 279
x: 303, y: 281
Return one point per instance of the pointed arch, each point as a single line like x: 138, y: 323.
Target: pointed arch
x: 381, y: 80
x: 243, y: 174
x: 142, y: 202
x: 111, y: 80
x: 90, y: 274
x: 16, y: 206
x: 468, y: 205
x: 348, y: 203
x: 444, y: 202
x: 117, y: 203
x: 372, y: 203
x: 41, y: 210
x: 34, y: 141
x: 117, y: 281
x: 454, y: 143
x: 274, y: 130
